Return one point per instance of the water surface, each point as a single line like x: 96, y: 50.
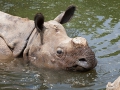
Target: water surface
x: 96, y: 20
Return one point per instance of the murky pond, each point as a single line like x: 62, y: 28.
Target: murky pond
x: 96, y: 20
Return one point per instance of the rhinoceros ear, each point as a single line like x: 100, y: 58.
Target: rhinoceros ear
x: 66, y: 16
x: 39, y: 21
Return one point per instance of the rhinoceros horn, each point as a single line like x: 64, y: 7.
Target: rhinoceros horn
x: 79, y: 42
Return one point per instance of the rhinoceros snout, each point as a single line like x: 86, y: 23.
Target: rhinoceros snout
x: 84, y: 65
x: 87, y: 60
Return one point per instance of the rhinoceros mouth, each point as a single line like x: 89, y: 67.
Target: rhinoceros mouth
x: 80, y: 65
x: 76, y: 68
x: 83, y: 63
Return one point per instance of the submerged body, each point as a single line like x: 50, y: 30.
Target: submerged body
x: 44, y: 44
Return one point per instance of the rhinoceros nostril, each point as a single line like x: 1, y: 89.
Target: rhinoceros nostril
x: 82, y: 59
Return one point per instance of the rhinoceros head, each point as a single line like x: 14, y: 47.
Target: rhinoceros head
x: 52, y: 48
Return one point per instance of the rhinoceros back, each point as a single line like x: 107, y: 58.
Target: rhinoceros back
x: 15, y: 31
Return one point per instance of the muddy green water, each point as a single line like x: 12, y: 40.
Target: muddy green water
x: 96, y: 20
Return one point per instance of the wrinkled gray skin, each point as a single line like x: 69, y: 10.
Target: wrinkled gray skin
x: 44, y: 44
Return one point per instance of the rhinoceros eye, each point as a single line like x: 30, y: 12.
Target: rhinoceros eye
x: 59, y: 52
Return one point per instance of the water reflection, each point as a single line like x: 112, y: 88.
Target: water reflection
x: 96, y: 20
x: 75, y: 79
x: 44, y: 79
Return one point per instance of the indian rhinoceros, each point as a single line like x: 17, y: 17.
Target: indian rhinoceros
x: 44, y: 44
